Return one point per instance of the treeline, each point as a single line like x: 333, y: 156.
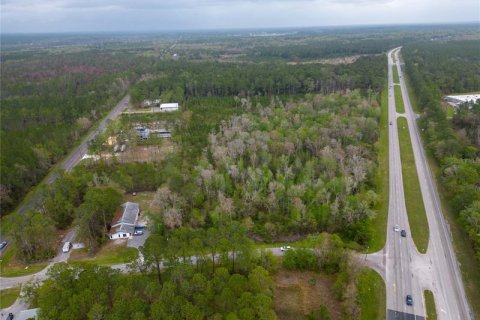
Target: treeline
x: 436, y: 69
x: 48, y: 102
x: 183, y: 80
x: 93, y: 292
x: 326, y: 49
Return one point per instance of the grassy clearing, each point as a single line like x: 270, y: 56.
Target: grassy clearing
x: 108, y: 255
x: 396, y: 79
x: 461, y: 244
x: 8, y: 297
x: 430, y: 305
x: 378, y: 224
x: 417, y: 217
x: 371, y: 294
x: 10, y: 267
x: 399, y: 100
x: 297, y: 294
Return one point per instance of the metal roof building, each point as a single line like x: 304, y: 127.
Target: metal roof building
x: 126, y: 225
x: 169, y: 107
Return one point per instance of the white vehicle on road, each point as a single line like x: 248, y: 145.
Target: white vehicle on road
x: 285, y: 248
x: 396, y: 228
x: 66, y: 247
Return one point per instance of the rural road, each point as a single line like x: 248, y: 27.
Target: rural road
x: 76, y: 155
x: 6, y: 283
x: 404, y: 269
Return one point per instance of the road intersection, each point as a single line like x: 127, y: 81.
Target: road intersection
x: 404, y: 269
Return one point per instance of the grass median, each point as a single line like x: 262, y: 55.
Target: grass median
x: 400, y: 108
x: 378, y: 224
x: 417, y: 217
x: 430, y: 305
x: 371, y: 295
x: 395, y: 74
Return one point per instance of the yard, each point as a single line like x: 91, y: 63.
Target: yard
x: 10, y: 267
x: 113, y: 252
x: 8, y: 297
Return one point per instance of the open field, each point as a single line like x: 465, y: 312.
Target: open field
x: 378, y: 224
x: 417, y: 217
x: 430, y: 305
x: 372, y: 295
x: 8, y: 297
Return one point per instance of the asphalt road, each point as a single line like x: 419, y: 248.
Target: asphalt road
x: 403, y: 268
x: 77, y: 154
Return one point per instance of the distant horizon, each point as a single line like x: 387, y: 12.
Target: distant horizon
x: 85, y: 16
x: 244, y: 29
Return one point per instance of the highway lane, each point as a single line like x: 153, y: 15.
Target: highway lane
x: 439, y: 268
x: 403, y: 268
x: 400, y: 252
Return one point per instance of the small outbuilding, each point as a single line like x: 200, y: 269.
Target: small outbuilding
x: 125, y: 227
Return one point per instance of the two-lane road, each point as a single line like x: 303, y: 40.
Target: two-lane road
x: 77, y: 154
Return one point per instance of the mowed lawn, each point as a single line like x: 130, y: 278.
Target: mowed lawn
x: 417, y: 217
x: 371, y: 295
x: 395, y: 74
x: 114, y: 252
x: 10, y: 267
x: 8, y: 297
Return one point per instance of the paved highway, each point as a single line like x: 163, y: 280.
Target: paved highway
x: 403, y: 268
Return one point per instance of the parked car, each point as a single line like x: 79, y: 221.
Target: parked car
x: 409, y: 300
x: 138, y: 232
x: 403, y: 233
x: 3, y: 244
x: 396, y: 228
x: 285, y: 248
x: 66, y: 247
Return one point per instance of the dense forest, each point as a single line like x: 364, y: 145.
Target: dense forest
x: 181, y: 80
x: 48, y: 102
x: 436, y: 69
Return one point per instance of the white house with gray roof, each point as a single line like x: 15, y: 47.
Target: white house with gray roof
x: 125, y: 227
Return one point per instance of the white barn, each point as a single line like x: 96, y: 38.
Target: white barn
x: 125, y: 227
x: 167, y: 107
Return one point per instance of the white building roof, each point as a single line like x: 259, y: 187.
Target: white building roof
x: 474, y: 97
x: 129, y: 217
x: 169, y: 105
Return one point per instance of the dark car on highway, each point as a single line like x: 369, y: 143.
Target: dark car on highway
x: 409, y: 300
x: 403, y: 233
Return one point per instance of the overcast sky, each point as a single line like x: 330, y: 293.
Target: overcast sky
x: 159, y: 15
